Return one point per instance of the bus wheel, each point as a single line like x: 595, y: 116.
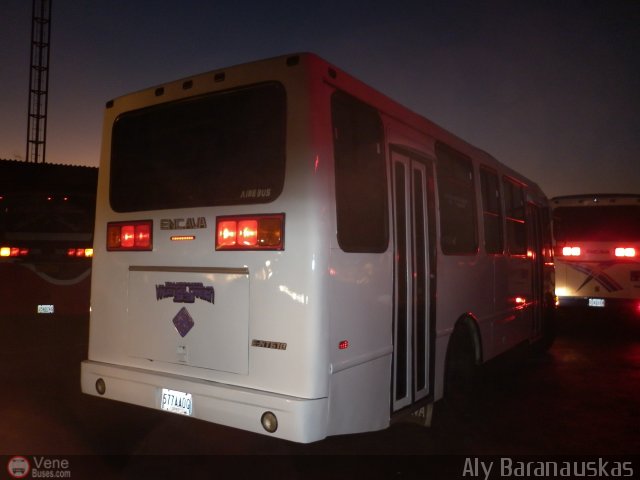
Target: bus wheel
x: 461, y: 370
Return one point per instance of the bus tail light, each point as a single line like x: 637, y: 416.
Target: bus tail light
x: 130, y: 236
x: 629, y: 252
x: 13, y: 252
x: 571, y: 251
x: 80, y: 252
x: 255, y: 232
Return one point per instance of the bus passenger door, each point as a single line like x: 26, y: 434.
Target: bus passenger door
x: 414, y: 279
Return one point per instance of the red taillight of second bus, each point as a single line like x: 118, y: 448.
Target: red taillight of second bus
x: 13, y: 252
x: 130, y: 236
x: 570, y: 251
x: 628, y: 252
x: 80, y: 252
x: 253, y: 232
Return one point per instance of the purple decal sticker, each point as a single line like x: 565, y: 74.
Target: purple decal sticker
x: 185, y: 292
x: 183, y: 322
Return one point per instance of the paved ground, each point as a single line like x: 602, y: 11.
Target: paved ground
x: 581, y: 398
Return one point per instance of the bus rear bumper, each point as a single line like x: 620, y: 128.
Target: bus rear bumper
x: 299, y: 420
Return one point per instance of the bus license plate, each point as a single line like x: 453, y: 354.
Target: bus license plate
x: 176, y: 402
x: 596, y: 302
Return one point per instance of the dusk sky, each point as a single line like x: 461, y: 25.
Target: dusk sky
x: 551, y: 88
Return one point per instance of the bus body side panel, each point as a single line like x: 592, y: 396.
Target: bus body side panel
x: 513, y: 277
x: 357, y: 305
x: 360, y: 312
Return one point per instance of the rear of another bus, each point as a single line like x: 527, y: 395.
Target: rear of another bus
x: 597, y: 251
x: 46, y: 230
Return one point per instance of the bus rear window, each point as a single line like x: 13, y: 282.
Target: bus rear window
x: 225, y: 148
x: 601, y: 223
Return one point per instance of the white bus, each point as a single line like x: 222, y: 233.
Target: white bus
x: 282, y: 249
x: 597, y: 250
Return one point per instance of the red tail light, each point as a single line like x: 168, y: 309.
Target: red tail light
x: 255, y: 232
x: 130, y: 236
x: 629, y: 252
x: 13, y: 252
x: 569, y: 251
x: 80, y: 252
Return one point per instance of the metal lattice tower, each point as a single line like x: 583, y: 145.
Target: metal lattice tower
x: 39, y: 81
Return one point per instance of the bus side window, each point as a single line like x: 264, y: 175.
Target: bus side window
x: 514, y: 206
x: 492, y: 210
x: 360, y: 176
x: 458, y: 220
